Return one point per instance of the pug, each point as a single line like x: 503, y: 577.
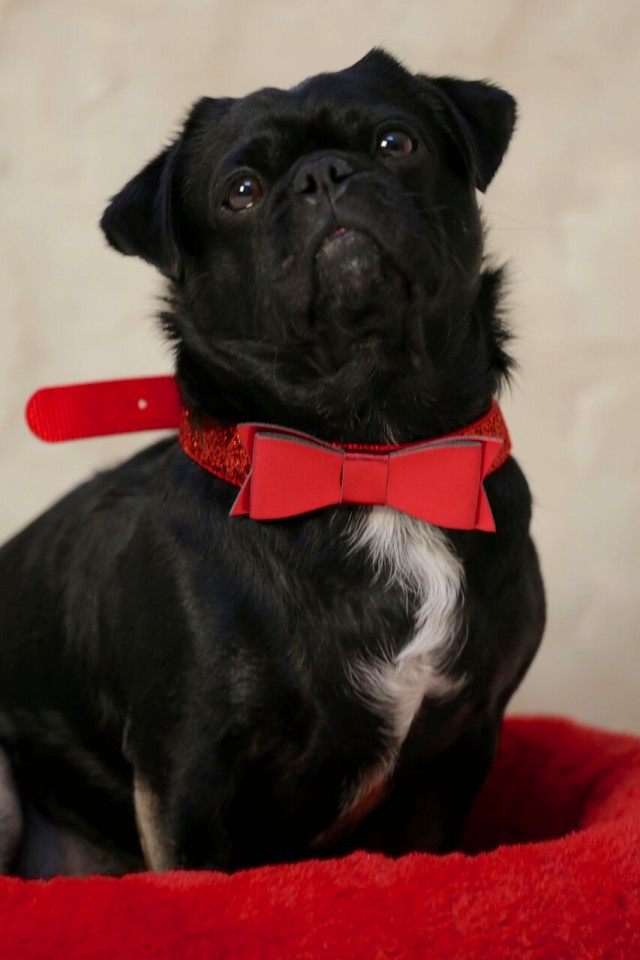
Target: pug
x: 293, y: 629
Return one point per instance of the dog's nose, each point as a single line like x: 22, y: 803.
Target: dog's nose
x: 321, y: 174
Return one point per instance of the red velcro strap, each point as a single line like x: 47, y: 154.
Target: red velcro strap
x: 99, y: 409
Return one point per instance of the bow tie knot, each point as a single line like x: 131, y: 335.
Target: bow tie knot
x: 365, y: 478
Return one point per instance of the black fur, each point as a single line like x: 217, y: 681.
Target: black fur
x: 144, y: 631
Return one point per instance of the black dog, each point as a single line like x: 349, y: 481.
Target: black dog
x: 219, y: 691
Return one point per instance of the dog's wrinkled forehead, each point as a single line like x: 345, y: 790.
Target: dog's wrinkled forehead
x: 476, y: 116
x: 377, y: 70
x: 329, y: 110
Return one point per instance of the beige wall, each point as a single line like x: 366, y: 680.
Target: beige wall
x: 90, y: 89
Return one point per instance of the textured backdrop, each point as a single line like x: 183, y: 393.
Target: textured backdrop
x: 90, y: 89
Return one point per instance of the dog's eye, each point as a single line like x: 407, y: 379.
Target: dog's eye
x: 243, y: 193
x: 395, y: 143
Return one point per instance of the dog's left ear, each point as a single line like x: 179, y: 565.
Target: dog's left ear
x: 481, y: 120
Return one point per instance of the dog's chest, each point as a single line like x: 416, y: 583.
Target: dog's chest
x: 417, y: 558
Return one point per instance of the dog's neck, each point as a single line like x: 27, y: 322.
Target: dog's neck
x: 403, y: 418
x: 234, y: 383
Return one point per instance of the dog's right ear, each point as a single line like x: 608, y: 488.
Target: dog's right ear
x: 140, y: 220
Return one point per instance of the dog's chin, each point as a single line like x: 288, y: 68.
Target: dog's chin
x: 361, y: 303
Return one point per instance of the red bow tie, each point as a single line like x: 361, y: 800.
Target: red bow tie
x: 283, y: 473
x: 440, y: 482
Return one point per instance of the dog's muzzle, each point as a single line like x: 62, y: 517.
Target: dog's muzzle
x: 358, y: 294
x: 349, y: 262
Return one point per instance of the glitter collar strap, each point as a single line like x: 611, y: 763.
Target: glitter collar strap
x: 283, y: 472
x: 221, y: 451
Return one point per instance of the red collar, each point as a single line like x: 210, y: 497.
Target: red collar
x: 283, y: 472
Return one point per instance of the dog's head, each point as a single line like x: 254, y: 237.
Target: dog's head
x: 324, y: 249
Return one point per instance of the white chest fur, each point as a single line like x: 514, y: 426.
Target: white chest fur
x: 417, y: 557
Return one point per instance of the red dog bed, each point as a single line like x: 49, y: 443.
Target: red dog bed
x: 551, y: 869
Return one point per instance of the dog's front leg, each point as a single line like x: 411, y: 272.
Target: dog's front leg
x: 157, y: 848
x: 11, y: 822
x: 184, y: 826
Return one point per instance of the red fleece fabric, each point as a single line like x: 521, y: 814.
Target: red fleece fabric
x: 551, y: 869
